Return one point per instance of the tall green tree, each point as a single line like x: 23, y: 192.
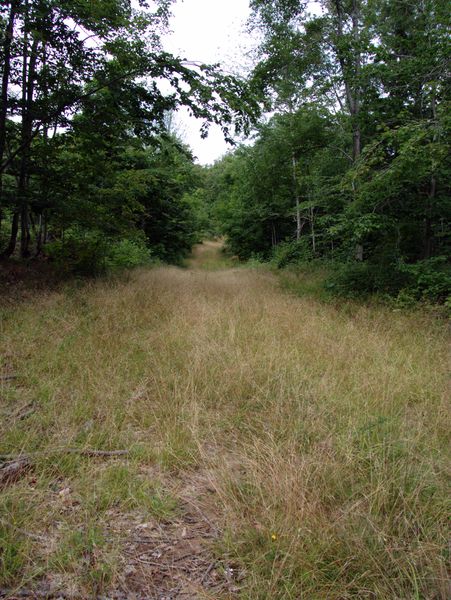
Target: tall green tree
x: 61, y: 55
x: 370, y: 179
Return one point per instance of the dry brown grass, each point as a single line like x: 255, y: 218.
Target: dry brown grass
x: 321, y: 429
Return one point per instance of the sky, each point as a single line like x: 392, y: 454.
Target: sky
x: 208, y: 31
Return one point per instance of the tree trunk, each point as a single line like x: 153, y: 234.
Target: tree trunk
x: 39, y: 234
x: 312, y: 229
x: 13, y: 236
x: 9, y: 33
x: 27, y: 125
x: 428, y: 229
x: 351, y: 70
x: 296, y: 197
x: 273, y: 235
x: 356, y: 134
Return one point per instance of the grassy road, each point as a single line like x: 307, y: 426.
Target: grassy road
x: 274, y: 446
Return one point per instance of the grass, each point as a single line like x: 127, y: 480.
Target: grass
x: 306, y: 280
x: 210, y: 256
x: 324, y: 430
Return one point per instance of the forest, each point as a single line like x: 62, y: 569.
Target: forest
x: 225, y: 381
x: 346, y: 113
x: 352, y: 168
x: 91, y: 173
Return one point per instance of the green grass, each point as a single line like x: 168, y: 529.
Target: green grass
x: 210, y: 256
x: 306, y: 280
x: 121, y: 486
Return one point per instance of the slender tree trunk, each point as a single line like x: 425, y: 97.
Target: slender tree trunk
x: 350, y: 65
x: 359, y: 252
x: 9, y: 33
x: 273, y: 235
x: 296, y: 197
x: 428, y: 230
x: 21, y: 212
x: 356, y: 133
x: 44, y: 232
x: 27, y: 125
x: 39, y: 234
x: 312, y: 229
x: 22, y: 187
x: 13, y: 236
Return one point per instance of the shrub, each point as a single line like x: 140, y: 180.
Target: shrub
x: 364, y: 278
x: 90, y: 253
x: 126, y: 253
x: 292, y: 252
x: 429, y: 279
x: 425, y: 280
x: 79, y: 253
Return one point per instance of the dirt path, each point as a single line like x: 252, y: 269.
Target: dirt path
x: 176, y: 559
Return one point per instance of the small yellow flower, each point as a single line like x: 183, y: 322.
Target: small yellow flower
x: 274, y: 537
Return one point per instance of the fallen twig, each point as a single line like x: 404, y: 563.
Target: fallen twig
x: 8, y: 377
x: 24, y: 415
x: 19, y: 414
x: 201, y: 513
x: 207, y: 572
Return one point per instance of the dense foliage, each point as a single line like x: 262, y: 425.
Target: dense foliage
x: 354, y: 165
x: 88, y: 167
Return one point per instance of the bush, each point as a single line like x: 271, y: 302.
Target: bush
x: 429, y: 279
x: 364, y: 278
x: 79, y: 253
x: 292, y: 252
x: 90, y: 253
x: 126, y: 254
x: 425, y: 280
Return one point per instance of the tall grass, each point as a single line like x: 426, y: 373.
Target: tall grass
x: 322, y: 429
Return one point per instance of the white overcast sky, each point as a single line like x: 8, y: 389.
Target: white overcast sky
x: 208, y: 31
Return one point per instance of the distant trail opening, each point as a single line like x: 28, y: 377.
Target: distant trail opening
x: 210, y: 255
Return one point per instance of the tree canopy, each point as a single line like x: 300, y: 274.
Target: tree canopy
x: 86, y: 88
x: 354, y: 165
x: 350, y: 163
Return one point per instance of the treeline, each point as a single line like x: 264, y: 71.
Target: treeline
x: 353, y: 167
x: 90, y: 173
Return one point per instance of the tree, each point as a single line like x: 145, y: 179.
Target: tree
x: 266, y: 194
x: 62, y: 55
x: 356, y: 148
x: 314, y: 57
